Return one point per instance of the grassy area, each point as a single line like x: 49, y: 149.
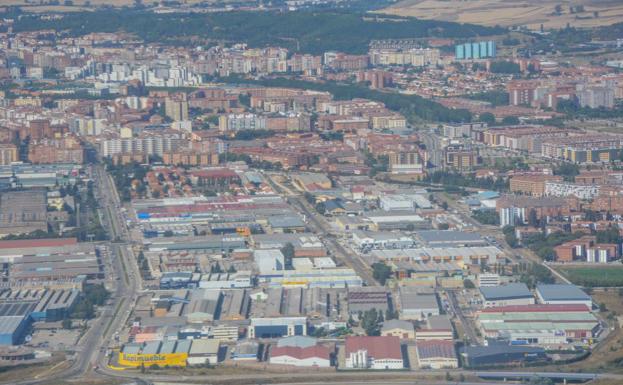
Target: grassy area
x: 594, y: 276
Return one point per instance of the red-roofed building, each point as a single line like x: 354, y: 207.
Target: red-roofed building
x: 47, y: 242
x: 317, y: 355
x: 373, y: 353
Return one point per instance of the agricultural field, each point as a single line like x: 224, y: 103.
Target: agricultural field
x: 594, y: 276
x: 530, y: 13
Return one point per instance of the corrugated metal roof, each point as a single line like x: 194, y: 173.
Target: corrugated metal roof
x: 9, y: 324
x: 205, y: 347
x: 562, y: 292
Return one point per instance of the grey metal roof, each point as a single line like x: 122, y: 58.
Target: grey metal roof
x: 9, y: 324
x: 497, y: 349
x: 510, y: 291
x: 450, y: 236
x: 418, y: 301
x: 201, y: 347
x: 151, y: 347
x: 297, y: 341
x: 167, y: 347
x: 285, y: 221
x: 132, y: 348
x: 561, y: 292
x: 397, y: 324
x: 183, y: 346
x: 20, y: 308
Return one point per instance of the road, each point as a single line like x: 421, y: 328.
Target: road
x: 467, y: 325
x: 431, y: 141
x: 319, y: 225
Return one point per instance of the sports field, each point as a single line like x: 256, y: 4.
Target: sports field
x: 594, y: 276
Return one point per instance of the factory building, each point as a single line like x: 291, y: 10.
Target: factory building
x: 277, y: 327
x: 506, y: 295
x: 538, y: 324
x: 562, y: 294
x: 14, y: 321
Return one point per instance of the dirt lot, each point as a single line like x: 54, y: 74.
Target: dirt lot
x: 57, y: 363
x: 532, y: 13
x: 611, y: 349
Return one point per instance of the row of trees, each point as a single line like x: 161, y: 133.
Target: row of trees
x: 458, y: 179
x: 414, y: 107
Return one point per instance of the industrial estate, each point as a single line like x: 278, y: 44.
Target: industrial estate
x: 292, y: 191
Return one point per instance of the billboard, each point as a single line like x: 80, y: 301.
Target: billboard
x: 168, y: 359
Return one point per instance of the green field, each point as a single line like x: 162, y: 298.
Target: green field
x: 594, y: 276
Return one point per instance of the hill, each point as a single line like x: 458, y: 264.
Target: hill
x: 305, y: 31
x: 531, y: 13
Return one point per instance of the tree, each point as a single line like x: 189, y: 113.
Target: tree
x: 488, y: 118
x: 381, y: 272
x: 510, y: 121
x: 288, y: 253
x: 532, y: 218
x: 66, y: 323
x: 370, y: 322
x: 510, y: 237
x: 321, y: 208
x: 610, y: 235
x: 568, y: 171
x: 505, y: 67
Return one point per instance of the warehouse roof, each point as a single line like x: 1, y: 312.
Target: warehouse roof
x: 297, y: 341
x: 510, y: 291
x: 9, y: 324
x: 377, y: 347
x: 538, y: 326
x: 438, y: 323
x: 397, y: 324
x: 435, y: 349
x: 203, y: 347
x: 285, y: 221
x: 301, y: 353
x: 538, y: 317
x: 411, y: 299
x: 16, y: 309
x: 562, y: 292
x: 132, y: 348
x: 151, y: 347
x: 183, y: 346
x: 499, y: 349
x: 448, y: 236
x: 536, y: 308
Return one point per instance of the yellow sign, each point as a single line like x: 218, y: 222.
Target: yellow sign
x: 170, y: 359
